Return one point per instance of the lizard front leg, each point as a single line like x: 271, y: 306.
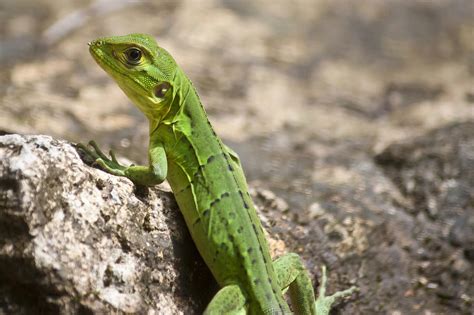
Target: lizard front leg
x: 150, y: 175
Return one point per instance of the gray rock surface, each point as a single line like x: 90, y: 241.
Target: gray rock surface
x: 74, y: 239
x: 435, y: 173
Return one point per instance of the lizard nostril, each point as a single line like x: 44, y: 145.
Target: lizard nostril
x: 95, y: 43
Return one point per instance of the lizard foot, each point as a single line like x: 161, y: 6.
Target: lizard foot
x: 110, y: 165
x: 323, y: 303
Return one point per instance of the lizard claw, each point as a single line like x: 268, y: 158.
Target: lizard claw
x: 110, y: 165
x: 88, y: 154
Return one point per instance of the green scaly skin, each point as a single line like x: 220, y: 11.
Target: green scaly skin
x: 208, y: 183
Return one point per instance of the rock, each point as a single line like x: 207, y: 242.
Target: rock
x: 74, y: 239
x: 461, y: 234
x: 435, y: 172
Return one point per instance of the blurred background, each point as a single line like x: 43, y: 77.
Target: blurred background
x: 358, y: 114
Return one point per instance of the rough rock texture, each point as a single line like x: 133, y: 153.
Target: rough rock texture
x: 436, y: 175
x: 435, y: 172
x: 75, y: 240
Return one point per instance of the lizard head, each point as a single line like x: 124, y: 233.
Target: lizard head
x: 142, y: 69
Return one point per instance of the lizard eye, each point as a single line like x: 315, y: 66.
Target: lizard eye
x: 134, y: 55
x: 161, y: 89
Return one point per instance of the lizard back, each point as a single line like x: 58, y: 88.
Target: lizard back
x: 211, y: 191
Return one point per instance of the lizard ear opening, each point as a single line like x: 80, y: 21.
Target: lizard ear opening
x: 161, y: 89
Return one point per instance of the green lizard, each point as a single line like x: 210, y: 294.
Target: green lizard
x: 208, y: 183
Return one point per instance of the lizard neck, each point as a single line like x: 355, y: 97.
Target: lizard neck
x: 185, y: 118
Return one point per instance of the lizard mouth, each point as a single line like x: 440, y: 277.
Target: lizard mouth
x: 99, y: 56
